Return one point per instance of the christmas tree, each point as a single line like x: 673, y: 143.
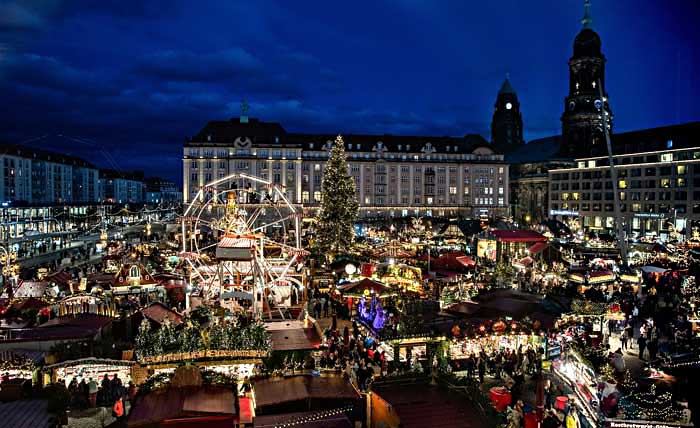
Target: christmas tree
x: 335, y: 230
x: 143, y: 339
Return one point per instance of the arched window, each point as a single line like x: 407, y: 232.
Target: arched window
x: 134, y: 272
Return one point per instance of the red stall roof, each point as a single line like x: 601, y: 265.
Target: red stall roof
x: 537, y: 248
x: 518, y: 236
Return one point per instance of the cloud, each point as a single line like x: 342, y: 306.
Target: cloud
x: 51, y: 73
x: 14, y: 16
x: 189, y: 66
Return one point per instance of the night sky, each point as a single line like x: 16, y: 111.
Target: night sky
x: 125, y: 85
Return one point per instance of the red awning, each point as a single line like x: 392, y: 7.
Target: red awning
x: 466, y: 261
x: 518, y: 236
x: 599, y: 273
x: 537, y: 248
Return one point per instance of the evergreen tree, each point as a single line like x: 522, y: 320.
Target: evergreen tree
x: 143, y: 340
x: 335, y: 229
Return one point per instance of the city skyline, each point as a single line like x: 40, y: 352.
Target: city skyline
x: 141, y: 84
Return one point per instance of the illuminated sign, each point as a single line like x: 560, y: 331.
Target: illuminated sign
x: 650, y: 215
x: 642, y: 424
x: 563, y: 212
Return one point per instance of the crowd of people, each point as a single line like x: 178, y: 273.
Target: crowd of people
x: 103, y: 392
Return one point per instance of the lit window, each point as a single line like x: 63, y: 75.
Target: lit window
x: 430, y: 200
x: 575, y: 196
x: 591, y: 164
x: 453, y: 190
x: 317, y: 167
x: 500, y: 190
x: 681, y: 169
x: 317, y: 196
x: 622, y: 184
x: 666, y: 157
x: 564, y: 196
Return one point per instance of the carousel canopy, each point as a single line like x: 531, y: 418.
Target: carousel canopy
x: 359, y: 287
x: 518, y: 236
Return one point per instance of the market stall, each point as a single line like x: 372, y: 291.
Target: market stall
x: 575, y: 373
x: 86, y: 368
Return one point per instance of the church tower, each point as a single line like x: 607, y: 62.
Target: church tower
x: 582, y: 120
x: 507, y: 122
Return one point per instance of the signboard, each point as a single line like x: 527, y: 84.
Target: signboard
x: 563, y: 212
x: 650, y: 215
x: 207, y: 353
x: 618, y: 423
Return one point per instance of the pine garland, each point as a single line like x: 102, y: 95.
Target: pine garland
x: 195, y: 337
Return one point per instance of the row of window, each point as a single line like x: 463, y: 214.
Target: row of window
x: 635, y: 208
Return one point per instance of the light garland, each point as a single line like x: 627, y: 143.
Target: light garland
x: 316, y: 417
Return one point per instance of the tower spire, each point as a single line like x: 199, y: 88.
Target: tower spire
x: 587, y: 21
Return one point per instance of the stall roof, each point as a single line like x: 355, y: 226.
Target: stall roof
x: 315, y: 420
x: 31, y: 289
x: 292, y: 336
x: 61, y: 277
x: 537, y: 248
x: 270, y: 392
x: 158, y: 313
x: 182, y: 403
x: 518, y: 236
x: 25, y: 414
x: 362, y: 285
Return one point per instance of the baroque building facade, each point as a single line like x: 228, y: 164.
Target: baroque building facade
x: 394, y: 175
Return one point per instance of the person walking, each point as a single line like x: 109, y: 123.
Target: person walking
x: 92, y: 392
x: 642, y: 343
x: 623, y: 340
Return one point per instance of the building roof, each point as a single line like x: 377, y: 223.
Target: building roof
x: 506, y: 88
x: 320, y: 419
x: 292, y: 336
x: 25, y: 414
x: 359, y: 287
x: 538, y: 150
x: 158, y: 313
x: 182, y: 403
x: 431, y: 406
x: 64, y: 328
x: 660, y: 138
x: 44, y: 155
x: 225, y: 133
x: 518, y: 236
x: 274, y: 391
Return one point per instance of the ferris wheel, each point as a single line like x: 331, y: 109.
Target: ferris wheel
x: 242, y: 240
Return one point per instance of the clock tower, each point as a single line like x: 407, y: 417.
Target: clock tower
x: 582, y: 120
x: 507, y: 122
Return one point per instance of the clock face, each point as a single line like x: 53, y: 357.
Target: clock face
x: 572, y: 105
x: 509, y: 106
x: 597, y: 104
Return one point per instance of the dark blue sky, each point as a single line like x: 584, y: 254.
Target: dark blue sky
x: 128, y: 81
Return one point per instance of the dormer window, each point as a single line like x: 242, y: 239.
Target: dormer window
x: 134, y: 272
x: 208, y: 137
x: 311, y: 146
x: 408, y: 147
x: 357, y: 146
x: 448, y: 148
x: 399, y: 147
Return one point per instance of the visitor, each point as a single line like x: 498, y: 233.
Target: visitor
x: 623, y: 340
x: 92, y: 392
x: 642, y: 343
x: 481, y: 365
x: 118, y: 409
